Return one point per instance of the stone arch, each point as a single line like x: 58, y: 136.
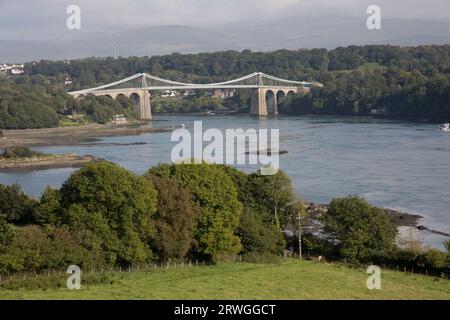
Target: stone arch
x: 136, y: 97
x: 281, y: 95
x: 271, y: 101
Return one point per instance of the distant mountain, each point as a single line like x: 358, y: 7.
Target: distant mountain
x: 308, y: 31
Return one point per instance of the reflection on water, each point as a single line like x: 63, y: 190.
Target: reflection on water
x: 394, y: 164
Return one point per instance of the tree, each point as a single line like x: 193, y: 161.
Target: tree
x: 15, y: 206
x: 256, y: 229
x: 49, y: 209
x: 275, y: 192
x: 175, y: 219
x: 115, y: 206
x: 447, y: 245
x: 359, y: 230
x: 213, y: 191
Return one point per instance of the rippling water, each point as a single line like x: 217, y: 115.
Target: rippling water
x: 394, y: 164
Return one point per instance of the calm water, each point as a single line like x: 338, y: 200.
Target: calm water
x: 394, y: 164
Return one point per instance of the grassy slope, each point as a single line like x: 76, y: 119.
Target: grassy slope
x: 291, y: 280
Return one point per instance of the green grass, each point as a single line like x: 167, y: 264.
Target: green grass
x: 290, y: 280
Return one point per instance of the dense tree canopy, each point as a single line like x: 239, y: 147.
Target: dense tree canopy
x: 115, y: 206
x: 213, y: 190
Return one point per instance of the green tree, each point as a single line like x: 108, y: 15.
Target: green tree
x: 15, y: 206
x: 275, y: 192
x: 359, y: 230
x: 49, y: 209
x: 114, y: 205
x: 175, y: 220
x: 212, y: 190
x: 256, y: 229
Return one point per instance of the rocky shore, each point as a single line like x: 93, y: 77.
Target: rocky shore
x: 400, y: 219
x: 46, y: 162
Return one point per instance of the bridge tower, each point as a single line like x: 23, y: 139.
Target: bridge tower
x: 258, y: 105
x: 145, y: 108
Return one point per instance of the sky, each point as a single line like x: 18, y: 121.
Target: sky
x: 46, y: 19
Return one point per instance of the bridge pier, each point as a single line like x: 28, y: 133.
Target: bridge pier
x: 145, y: 108
x: 258, y: 105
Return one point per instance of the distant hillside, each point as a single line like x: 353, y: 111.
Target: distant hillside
x: 318, y: 31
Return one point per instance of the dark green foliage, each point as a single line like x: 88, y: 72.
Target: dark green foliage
x: 24, y: 107
x: 275, y: 193
x: 175, y: 219
x: 49, y: 209
x: 114, y: 207
x: 6, y: 234
x: 213, y: 190
x: 35, y: 249
x: 447, y: 245
x: 357, y: 229
x: 19, y: 152
x: 256, y: 229
x: 258, y: 235
x: 15, y: 206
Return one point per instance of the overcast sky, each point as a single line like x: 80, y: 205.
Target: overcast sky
x: 46, y: 19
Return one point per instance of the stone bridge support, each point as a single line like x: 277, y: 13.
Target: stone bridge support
x: 145, y: 108
x: 264, y: 101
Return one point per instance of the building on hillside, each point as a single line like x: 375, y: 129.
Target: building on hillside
x: 222, y: 93
x: 119, y: 119
x: 67, y: 80
x: 169, y: 94
x: 13, y: 69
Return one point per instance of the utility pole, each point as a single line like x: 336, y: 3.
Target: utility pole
x: 299, y: 218
x: 300, y: 233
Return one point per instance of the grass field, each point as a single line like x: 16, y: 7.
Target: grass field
x: 290, y: 280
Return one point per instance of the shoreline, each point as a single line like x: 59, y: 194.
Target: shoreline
x: 399, y: 219
x: 70, y: 160
x: 72, y: 135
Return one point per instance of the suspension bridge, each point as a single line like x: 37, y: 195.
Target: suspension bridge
x: 267, y: 91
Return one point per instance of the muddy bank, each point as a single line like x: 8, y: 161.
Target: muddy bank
x: 72, y: 135
x: 46, y: 162
x: 400, y: 219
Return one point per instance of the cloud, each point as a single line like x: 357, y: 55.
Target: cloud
x: 46, y: 18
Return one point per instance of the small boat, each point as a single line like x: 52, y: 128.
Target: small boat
x: 445, y: 127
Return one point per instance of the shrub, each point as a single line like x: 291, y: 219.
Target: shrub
x: 358, y: 230
x: 19, y: 152
x: 35, y: 249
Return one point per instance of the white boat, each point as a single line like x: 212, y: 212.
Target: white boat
x: 445, y: 127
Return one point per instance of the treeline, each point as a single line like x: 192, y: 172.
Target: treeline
x: 40, y: 102
x: 105, y: 216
